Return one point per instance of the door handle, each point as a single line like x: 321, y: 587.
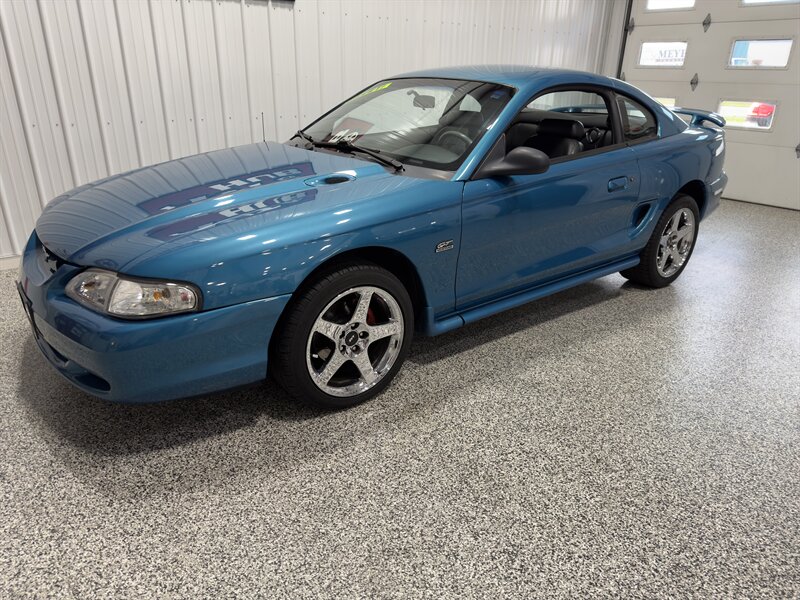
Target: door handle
x: 618, y: 183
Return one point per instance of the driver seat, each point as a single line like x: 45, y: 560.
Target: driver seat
x: 558, y: 137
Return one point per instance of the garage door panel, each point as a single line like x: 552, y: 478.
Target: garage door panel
x: 761, y: 160
x: 762, y: 174
x: 673, y: 33
x: 785, y: 129
x: 667, y: 89
x: 712, y: 48
x: 720, y: 10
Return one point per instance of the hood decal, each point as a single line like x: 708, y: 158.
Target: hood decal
x: 154, y: 206
x: 207, y: 220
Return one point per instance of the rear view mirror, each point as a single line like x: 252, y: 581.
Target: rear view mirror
x: 520, y: 161
x: 423, y: 102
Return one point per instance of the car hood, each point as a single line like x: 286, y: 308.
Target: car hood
x: 119, y: 221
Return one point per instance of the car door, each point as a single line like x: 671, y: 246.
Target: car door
x: 524, y: 230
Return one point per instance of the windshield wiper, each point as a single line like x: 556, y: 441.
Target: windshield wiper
x: 349, y: 147
x: 304, y: 135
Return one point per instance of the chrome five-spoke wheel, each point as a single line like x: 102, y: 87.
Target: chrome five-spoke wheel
x: 676, y: 242
x: 669, y: 246
x: 355, y: 341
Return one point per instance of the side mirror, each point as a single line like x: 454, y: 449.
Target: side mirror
x: 520, y: 161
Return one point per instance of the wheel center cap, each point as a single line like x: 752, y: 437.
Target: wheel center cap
x: 351, y: 338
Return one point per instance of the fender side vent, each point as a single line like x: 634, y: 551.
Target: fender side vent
x: 640, y: 214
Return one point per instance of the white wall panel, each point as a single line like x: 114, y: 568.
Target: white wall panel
x: 107, y: 79
x: 284, y: 67
x: 62, y: 29
x: 306, y: 27
x: 32, y: 75
x: 173, y: 70
x: 255, y: 19
x: 96, y: 87
x: 232, y: 65
x: 139, y: 54
x: 204, y: 73
x: 19, y: 204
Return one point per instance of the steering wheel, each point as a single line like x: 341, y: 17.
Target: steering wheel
x: 593, y: 135
x: 443, y: 134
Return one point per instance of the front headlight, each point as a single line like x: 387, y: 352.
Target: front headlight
x: 117, y: 295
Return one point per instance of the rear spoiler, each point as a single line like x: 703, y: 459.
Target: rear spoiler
x: 699, y: 116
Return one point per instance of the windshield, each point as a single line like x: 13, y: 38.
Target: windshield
x: 431, y: 123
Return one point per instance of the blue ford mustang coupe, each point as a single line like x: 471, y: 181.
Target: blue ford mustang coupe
x: 421, y: 204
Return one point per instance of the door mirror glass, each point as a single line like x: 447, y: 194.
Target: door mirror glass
x: 519, y: 161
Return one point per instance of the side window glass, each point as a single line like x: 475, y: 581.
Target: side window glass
x: 469, y: 104
x: 638, y: 123
x: 570, y: 102
x: 562, y: 124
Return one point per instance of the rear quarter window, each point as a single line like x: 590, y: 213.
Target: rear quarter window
x: 638, y: 123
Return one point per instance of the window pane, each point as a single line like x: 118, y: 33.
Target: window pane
x: 637, y: 121
x: 748, y: 114
x: 416, y: 120
x: 760, y: 53
x: 570, y: 102
x: 668, y: 102
x: 563, y: 123
x: 662, y: 54
x: 669, y: 4
x: 770, y: 1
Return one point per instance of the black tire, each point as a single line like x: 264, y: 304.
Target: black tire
x: 288, y: 361
x: 646, y: 272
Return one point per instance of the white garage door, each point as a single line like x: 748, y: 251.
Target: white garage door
x: 736, y: 57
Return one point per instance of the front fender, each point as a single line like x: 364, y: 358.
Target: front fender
x: 274, y: 261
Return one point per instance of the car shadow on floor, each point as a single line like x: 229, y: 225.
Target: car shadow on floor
x: 108, y: 429
x: 527, y: 316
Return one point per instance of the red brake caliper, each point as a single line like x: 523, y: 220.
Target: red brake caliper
x: 370, y: 317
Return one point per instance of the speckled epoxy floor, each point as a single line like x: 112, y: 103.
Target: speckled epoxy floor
x: 609, y: 440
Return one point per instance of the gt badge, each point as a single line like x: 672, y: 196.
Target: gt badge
x: 444, y: 246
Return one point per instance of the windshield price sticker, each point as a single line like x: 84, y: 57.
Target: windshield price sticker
x: 345, y: 135
x: 377, y: 88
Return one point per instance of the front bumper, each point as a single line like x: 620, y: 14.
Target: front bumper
x: 147, y: 360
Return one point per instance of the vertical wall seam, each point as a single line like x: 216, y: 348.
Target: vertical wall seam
x: 250, y: 113
x: 26, y: 120
x: 136, y: 139
x: 160, y: 81
x: 272, y: 71
x: 93, y: 84
x: 5, y: 213
x: 219, y: 72
x: 59, y: 97
x: 298, y: 106
x: 319, y: 59
x: 195, y: 120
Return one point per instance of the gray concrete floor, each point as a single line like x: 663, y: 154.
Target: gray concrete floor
x: 609, y: 440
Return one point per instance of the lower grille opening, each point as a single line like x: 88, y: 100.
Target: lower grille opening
x: 93, y: 381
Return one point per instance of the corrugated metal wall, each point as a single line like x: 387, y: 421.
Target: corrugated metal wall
x: 90, y: 88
